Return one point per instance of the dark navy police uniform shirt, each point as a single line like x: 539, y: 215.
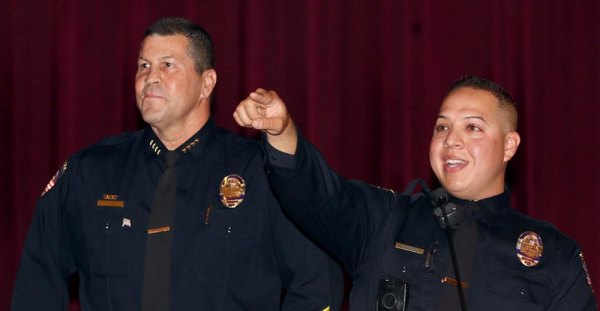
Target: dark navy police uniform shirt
x: 381, y: 235
x: 93, y: 222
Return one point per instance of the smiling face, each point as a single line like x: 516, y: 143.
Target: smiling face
x: 472, y: 144
x: 169, y: 91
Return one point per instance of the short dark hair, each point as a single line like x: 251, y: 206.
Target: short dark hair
x: 504, y: 99
x: 200, y: 47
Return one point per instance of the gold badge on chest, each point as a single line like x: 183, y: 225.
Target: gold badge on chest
x: 529, y: 248
x: 232, y: 191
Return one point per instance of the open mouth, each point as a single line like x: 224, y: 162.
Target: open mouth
x: 453, y: 163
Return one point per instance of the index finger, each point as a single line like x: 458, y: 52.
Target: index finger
x: 263, y: 96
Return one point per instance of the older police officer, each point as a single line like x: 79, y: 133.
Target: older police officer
x: 177, y: 216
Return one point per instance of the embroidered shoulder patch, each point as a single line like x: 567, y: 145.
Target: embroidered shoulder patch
x: 55, y: 178
x: 382, y: 188
x: 585, y: 270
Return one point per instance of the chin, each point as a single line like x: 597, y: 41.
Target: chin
x: 150, y: 118
x: 454, y: 189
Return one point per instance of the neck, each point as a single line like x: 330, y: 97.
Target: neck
x: 174, y: 136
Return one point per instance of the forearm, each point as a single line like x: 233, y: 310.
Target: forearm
x: 286, y: 141
x: 328, y: 207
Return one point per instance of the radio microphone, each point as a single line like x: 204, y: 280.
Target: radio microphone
x: 448, y: 216
x: 454, y: 214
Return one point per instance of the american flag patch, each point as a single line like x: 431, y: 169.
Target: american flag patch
x: 55, y: 178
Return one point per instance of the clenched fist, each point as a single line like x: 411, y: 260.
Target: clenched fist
x: 265, y: 111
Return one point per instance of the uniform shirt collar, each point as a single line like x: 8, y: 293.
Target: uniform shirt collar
x: 488, y: 210
x: 192, y: 147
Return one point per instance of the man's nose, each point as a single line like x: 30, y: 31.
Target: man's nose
x: 453, y: 140
x: 153, y: 76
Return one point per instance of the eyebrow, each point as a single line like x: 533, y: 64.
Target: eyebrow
x: 160, y: 58
x: 476, y: 117
x: 441, y: 116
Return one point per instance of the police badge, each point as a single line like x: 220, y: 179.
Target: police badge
x: 529, y: 248
x: 232, y: 191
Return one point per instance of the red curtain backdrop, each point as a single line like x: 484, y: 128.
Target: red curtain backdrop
x: 363, y: 80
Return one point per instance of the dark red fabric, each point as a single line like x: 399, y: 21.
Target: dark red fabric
x: 363, y: 80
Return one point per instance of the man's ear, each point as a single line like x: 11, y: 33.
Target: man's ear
x: 511, y: 144
x: 209, y: 79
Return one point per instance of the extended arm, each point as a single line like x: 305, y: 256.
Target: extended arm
x: 342, y: 215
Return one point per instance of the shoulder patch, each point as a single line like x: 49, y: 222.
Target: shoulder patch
x: 585, y: 270
x: 382, y: 188
x: 61, y: 171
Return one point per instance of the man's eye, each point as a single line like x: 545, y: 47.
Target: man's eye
x: 144, y: 65
x: 169, y: 65
x: 440, y: 128
x: 473, y: 127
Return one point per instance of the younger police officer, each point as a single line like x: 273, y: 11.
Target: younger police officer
x: 395, y: 250
x: 177, y: 216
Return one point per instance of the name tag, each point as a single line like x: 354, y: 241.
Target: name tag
x: 409, y: 248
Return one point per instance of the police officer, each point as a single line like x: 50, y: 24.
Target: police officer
x: 176, y: 216
x: 456, y: 248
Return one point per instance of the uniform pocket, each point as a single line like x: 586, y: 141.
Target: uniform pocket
x: 526, y: 291
x: 113, y: 240
x: 228, y: 244
x: 407, y: 266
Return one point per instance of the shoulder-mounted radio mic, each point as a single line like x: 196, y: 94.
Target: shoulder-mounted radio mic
x: 449, y: 216
x: 453, y: 214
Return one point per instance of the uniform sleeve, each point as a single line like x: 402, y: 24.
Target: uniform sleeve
x: 45, y: 267
x: 574, y: 289
x: 340, y: 214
